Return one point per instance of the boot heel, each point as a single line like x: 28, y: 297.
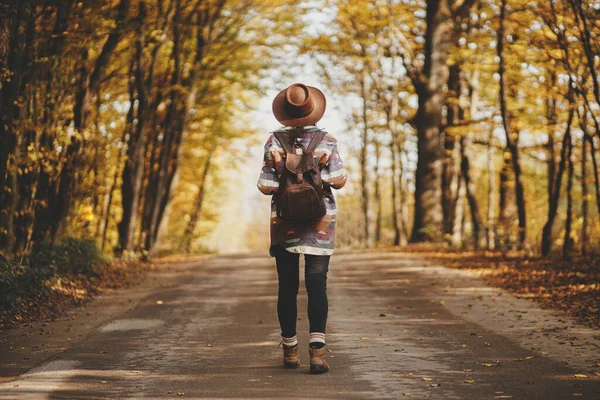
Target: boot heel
x: 291, y: 365
x: 318, y: 369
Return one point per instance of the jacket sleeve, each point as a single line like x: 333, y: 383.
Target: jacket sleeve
x: 334, y: 174
x: 268, y: 181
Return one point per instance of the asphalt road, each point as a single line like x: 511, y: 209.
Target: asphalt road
x: 398, y: 328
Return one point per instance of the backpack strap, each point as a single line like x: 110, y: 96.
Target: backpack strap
x: 316, y: 139
x: 283, y: 138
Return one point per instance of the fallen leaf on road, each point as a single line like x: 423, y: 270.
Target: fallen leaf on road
x: 503, y: 396
x: 210, y: 345
x: 463, y: 345
x: 132, y: 365
x: 269, y: 376
x: 407, y: 394
x: 469, y: 381
x: 360, y: 346
x: 427, y: 379
x: 159, y: 302
x: 523, y: 359
x: 364, y: 338
x: 581, y: 376
x: 180, y: 394
x: 577, y: 394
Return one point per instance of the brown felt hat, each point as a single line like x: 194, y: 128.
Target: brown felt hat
x: 299, y: 105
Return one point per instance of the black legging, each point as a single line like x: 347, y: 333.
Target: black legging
x: 315, y: 276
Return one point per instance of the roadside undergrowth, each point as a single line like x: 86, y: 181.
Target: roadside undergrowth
x: 53, y: 278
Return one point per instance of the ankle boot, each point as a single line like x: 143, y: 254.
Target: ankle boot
x: 318, y: 365
x: 290, y: 357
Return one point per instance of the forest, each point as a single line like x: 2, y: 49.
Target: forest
x: 478, y: 120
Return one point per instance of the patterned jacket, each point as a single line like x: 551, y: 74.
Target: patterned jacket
x: 313, y: 237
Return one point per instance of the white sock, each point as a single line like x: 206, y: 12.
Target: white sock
x: 316, y: 337
x: 290, y: 342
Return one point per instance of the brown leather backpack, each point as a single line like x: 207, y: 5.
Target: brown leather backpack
x: 300, y: 194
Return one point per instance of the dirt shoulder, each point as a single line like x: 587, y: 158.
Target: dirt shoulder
x: 570, y: 286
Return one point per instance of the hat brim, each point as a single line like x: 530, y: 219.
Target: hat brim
x: 317, y: 113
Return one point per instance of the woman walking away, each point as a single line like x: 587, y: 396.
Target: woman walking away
x: 301, y: 165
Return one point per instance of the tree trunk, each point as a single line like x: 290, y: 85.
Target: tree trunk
x: 584, y: 196
x: 133, y: 171
x: 459, y: 214
x: 14, y: 20
x: 195, y: 215
x: 590, y: 140
x: 554, y: 201
x: 428, y: 213
x: 568, y: 241
x: 491, y: 211
x: 507, y: 206
x: 551, y: 126
x: 470, y: 192
x: 448, y: 170
x: 402, y: 198
x: 109, y: 200
x: 512, y: 139
x: 363, y: 161
x: 391, y: 115
x: 379, y: 216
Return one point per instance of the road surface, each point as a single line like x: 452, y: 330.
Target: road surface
x: 398, y: 328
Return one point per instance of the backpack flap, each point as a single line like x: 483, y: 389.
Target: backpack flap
x: 293, y: 162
